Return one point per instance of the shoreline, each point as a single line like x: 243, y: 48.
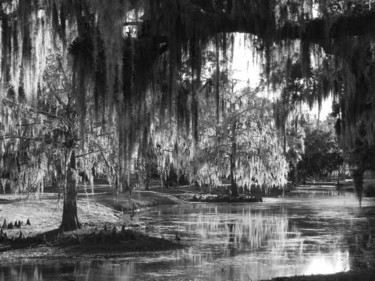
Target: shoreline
x: 340, y: 276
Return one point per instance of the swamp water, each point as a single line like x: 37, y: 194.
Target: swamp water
x: 279, y: 237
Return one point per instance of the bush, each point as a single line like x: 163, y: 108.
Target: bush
x: 369, y: 190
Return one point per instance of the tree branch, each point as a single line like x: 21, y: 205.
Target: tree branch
x: 31, y: 109
x: 88, y: 153
x: 21, y: 137
x: 318, y: 30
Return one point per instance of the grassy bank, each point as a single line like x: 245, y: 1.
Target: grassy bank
x: 107, y: 226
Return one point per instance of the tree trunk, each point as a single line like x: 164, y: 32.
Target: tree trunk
x: 147, y: 175
x: 70, y: 218
x: 128, y: 182
x: 117, y: 187
x: 233, y: 184
x: 147, y: 183
x: 358, y: 184
x: 163, y: 180
x: 119, y: 177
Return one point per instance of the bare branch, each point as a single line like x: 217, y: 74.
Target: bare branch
x: 133, y: 23
x: 21, y: 137
x: 31, y: 109
x: 88, y: 153
x: 57, y: 96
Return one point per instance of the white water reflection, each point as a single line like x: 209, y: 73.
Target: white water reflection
x: 233, y: 242
x: 324, y: 264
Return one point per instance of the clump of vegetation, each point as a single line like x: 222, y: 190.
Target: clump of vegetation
x: 316, y: 155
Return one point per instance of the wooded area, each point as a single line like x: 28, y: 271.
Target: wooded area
x: 107, y: 87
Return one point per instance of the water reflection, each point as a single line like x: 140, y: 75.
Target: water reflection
x: 323, y: 264
x: 179, y: 266
x: 268, y: 240
x: 244, y: 231
x: 79, y: 270
x: 232, y: 242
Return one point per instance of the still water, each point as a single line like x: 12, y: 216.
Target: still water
x: 279, y: 237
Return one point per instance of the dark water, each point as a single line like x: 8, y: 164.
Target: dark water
x: 279, y: 237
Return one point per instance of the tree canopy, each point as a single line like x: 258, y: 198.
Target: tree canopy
x: 128, y: 53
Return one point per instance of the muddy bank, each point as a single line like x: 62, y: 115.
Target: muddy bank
x: 87, y: 241
x: 139, y: 200
x: 214, y: 198
x: 343, y: 276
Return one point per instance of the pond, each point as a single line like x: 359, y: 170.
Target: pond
x: 279, y: 237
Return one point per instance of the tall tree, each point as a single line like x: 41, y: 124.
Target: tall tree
x: 48, y: 137
x: 41, y: 141
x: 243, y: 145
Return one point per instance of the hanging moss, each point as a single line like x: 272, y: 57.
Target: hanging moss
x: 15, y: 43
x: 217, y: 80
x: 5, y: 45
x: 82, y: 51
x: 121, y: 72
x: 55, y: 20
x: 100, y: 79
x: 182, y: 111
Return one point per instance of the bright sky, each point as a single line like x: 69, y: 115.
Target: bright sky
x: 244, y: 67
x: 326, y: 109
x: 247, y: 70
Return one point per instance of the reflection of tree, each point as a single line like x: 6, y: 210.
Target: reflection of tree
x: 231, y: 226
x: 361, y: 249
x: 74, y: 270
x: 247, y: 231
x: 31, y: 270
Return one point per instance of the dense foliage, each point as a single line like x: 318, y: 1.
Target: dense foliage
x: 322, y: 155
x: 124, y: 49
